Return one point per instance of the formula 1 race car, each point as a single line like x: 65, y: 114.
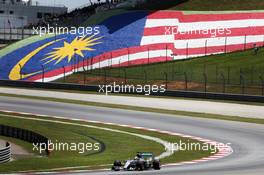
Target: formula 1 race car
x: 142, y: 161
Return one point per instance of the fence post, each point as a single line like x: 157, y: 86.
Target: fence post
x: 242, y: 84
x: 186, y: 81
x: 74, y: 64
x: 216, y: 73
x: 263, y: 42
x: 43, y: 73
x: 111, y: 57
x: 252, y: 74
x: 262, y: 85
x: 148, y: 56
x: 5, y: 32
x: 99, y: 65
x: 166, y: 53
x: 225, y: 44
x: 20, y: 72
x: 187, y: 50
x: 105, y: 80
x: 83, y: 63
x: 119, y: 67
x: 245, y: 43
x: 125, y: 75
x: 92, y: 64
x: 205, y: 82
x: 84, y: 75
x: 205, y: 48
x: 10, y: 32
x: 88, y: 66
x: 228, y: 75
x: 224, y: 81
x: 204, y: 68
x: 23, y: 37
x: 166, y: 79
x: 240, y: 73
x: 128, y: 57
x: 146, y: 78
x: 64, y: 72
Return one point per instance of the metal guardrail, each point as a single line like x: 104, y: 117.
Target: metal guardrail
x: 5, y: 154
x: 22, y: 134
x: 15, y: 34
x: 176, y: 93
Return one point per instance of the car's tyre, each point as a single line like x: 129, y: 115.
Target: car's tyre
x: 117, y: 163
x: 115, y: 168
x: 156, y: 165
x: 140, y: 166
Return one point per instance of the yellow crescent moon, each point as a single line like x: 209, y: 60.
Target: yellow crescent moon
x: 15, y: 73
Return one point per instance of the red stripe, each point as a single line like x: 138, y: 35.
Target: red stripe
x: 204, y: 17
x: 162, y: 30
x: 52, y: 73
x: 133, y: 50
x: 165, y: 14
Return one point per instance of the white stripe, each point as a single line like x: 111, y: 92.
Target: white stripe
x: 157, y: 39
x: 161, y: 22
x: 220, y: 41
x: 187, y: 26
x: 221, y: 24
x: 49, y: 79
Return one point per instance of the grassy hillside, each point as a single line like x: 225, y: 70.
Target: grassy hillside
x: 101, y: 16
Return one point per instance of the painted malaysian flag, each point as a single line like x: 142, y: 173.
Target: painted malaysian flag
x: 135, y: 38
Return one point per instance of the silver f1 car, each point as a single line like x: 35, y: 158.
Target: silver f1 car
x: 142, y: 161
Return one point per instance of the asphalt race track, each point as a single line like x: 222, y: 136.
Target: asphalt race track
x: 247, y: 140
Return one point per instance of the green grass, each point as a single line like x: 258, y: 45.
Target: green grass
x: 127, y: 145
x: 74, y: 134
x: 101, y: 16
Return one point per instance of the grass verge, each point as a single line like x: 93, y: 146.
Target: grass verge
x: 127, y: 145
